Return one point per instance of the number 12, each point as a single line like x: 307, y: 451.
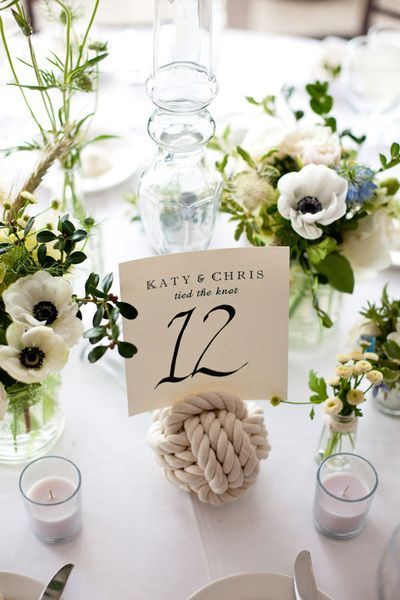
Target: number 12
x: 187, y: 314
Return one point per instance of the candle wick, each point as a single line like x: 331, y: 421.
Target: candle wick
x: 345, y: 490
x: 51, y: 495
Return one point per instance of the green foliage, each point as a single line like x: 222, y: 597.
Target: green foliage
x: 393, y: 160
x: 321, y: 102
x: 338, y: 272
x: 106, y: 327
x: 267, y: 104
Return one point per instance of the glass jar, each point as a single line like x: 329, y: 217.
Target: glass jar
x: 338, y: 436
x: 179, y: 193
x: 305, y: 327
x: 388, y: 399
x: 33, y: 421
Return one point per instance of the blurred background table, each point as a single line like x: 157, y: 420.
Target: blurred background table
x: 143, y: 538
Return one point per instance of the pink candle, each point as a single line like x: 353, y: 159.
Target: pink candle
x: 51, y: 490
x: 343, y: 497
x: 62, y: 519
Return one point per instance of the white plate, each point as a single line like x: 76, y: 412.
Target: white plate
x: 251, y: 586
x: 14, y: 586
x: 121, y: 162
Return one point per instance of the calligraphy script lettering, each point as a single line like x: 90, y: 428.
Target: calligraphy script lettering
x: 187, y: 315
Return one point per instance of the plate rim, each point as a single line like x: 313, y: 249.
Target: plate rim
x: 25, y: 577
x: 247, y: 573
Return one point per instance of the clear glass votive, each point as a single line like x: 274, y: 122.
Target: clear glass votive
x: 346, y: 484
x: 51, y: 490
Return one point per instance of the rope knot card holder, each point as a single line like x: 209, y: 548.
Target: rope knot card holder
x: 210, y: 444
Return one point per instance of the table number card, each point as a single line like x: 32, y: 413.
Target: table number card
x: 207, y: 320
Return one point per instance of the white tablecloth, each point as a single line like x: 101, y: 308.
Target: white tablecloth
x: 144, y: 539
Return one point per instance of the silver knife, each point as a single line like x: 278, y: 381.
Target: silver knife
x: 55, y: 588
x: 304, y: 582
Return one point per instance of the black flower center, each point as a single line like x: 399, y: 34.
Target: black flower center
x: 309, y: 204
x: 31, y: 357
x: 45, y: 311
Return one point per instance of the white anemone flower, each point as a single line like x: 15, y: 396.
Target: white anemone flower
x: 31, y: 356
x: 395, y: 335
x: 41, y: 299
x: 314, y: 196
x: 3, y: 401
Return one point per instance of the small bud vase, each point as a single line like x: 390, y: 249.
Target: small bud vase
x: 387, y: 399
x: 338, y: 435
x: 305, y: 327
x: 33, y: 421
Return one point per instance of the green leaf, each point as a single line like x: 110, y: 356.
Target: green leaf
x: 246, y: 157
x: 43, y: 237
x: 107, y: 283
x: 394, y: 149
x: 126, y: 349
x: 318, y: 252
x: 29, y: 225
x: 127, y: 310
x: 95, y: 354
x: 41, y: 253
x: 98, y: 316
x: 91, y: 282
x: 317, y: 385
x: 392, y: 349
x: 77, y: 257
x: 239, y: 230
x: 95, y: 332
x: 78, y: 235
x: 338, y: 271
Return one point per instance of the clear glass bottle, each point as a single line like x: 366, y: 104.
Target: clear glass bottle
x: 338, y: 436
x: 388, y: 399
x: 183, y: 78
x: 179, y: 193
x: 389, y: 571
x: 305, y: 327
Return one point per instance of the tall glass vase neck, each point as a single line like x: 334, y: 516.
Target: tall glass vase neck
x: 182, y: 78
x: 181, y: 132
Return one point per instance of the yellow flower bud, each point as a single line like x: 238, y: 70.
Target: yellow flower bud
x: 333, y: 406
x: 355, y: 397
x: 375, y: 377
x: 344, y: 371
x: 362, y: 366
x: 371, y: 356
x: 343, y: 358
x: 275, y: 401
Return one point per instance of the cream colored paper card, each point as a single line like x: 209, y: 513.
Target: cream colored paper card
x: 207, y: 320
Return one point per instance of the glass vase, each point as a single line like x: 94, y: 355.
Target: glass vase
x: 388, y: 399
x: 338, y: 436
x: 305, y: 327
x: 179, y: 193
x: 33, y: 421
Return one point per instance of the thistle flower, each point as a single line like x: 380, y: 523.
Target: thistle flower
x: 251, y: 190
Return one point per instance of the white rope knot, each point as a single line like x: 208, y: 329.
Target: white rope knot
x: 210, y: 444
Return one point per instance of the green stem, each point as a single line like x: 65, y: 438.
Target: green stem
x: 298, y: 298
x: 89, y: 27
x: 44, y: 94
x: 14, y: 72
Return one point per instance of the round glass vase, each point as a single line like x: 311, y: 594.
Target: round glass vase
x: 33, y: 421
x: 338, y: 436
x: 305, y: 327
x: 387, y: 399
